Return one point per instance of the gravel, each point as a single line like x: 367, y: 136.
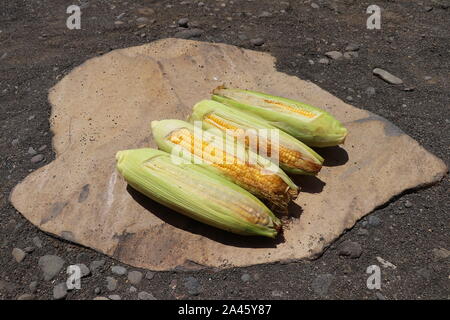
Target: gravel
x: 193, y: 286
x: 322, y: 283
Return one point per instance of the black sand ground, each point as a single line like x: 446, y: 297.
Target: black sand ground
x: 413, y: 43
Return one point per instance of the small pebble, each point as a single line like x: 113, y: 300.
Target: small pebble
x: 193, y: 286
x: 111, y: 283
x: 33, y: 286
x: 96, y: 264
x: 84, y: 270
x: 15, y: 142
x: 408, y: 204
x: 335, y: 55
x: 245, y: 277
x: 386, y: 76
x: 29, y: 249
x: 97, y: 290
x: 37, y: 242
x: 31, y: 151
x: 370, y: 91
x: 114, y: 297
x: 142, y: 20
x: 315, y: 5
x: 37, y: 158
x: 149, y: 275
x: 133, y: 289
x: 60, y: 291
x: 351, y: 55
x: 135, y: 277
x: 18, y: 254
x: 374, y: 221
x: 183, y: 22
x: 257, y: 42
x: 119, y: 270
x: 26, y: 296
x: 143, y: 295
x: 324, y: 61
x: 350, y: 249
x: 352, y: 47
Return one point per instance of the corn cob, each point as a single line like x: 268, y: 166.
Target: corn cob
x: 213, y: 152
x: 294, y: 156
x: 195, y: 192
x: 313, y: 126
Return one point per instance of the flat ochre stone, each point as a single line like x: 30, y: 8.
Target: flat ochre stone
x: 107, y: 104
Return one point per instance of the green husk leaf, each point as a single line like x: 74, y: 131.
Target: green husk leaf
x: 162, y: 129
x: 319, y: 129
x: 195, y: 192
x: 242, y: 120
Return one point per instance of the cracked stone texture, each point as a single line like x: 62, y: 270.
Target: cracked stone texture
x: 107, y: 104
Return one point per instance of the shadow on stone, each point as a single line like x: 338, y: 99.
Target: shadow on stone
x: 334, y: 156
x: 308, y: 184
x: 190, y: 225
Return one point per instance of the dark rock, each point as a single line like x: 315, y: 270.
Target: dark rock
x: 96, y: 264
x: 350, y: 249
x: 257, y: 42
x: 111, y: 283
x: 60, y: 291
x: 37, y: 158
x: 183, y: 22
x: 187, y: 34
x: 135, y: 277
x: 193, y: 286
x: 119, y: 270
x: 143, y: 295
x: 26, y: 296
x: 37, y: 242
x: 50, y: 265
x: 149, y: 275
x: 386, y: 76
x: 335, y: 55
x: 18, y: 254
x: 374, y: 221
x: 322, y: 283
x: 245, y: 277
